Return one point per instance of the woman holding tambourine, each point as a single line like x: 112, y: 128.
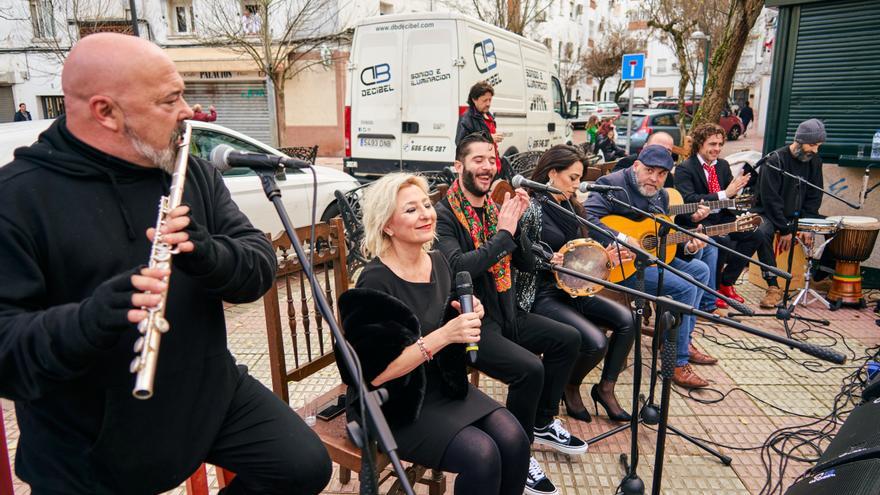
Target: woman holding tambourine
x: 562, y: 167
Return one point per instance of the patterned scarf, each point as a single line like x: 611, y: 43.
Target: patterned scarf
x: 479, y: 232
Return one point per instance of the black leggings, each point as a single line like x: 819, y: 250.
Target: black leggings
x: 490, y: 456
x: 584, y: 314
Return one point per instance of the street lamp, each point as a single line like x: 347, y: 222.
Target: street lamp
x: 699, y: 35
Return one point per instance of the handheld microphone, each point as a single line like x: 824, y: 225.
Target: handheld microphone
x: 465, y: 291
x: 520, y: 181
x: 599, y: 188
x: 225, y: 157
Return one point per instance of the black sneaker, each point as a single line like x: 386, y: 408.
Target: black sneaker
x: 537, y: 482
x: 554, y: 435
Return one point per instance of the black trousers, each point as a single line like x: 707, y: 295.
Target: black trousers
x: 534, y: 385
x: 584, y: 314
x: 765, y: 250
x: 746, y: 243
x: 268, y: 446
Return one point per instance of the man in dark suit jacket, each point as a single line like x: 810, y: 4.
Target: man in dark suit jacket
x: 705, y: 177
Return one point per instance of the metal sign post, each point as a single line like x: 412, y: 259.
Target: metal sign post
x: 632, y: 70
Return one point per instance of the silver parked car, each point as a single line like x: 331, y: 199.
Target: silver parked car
x: 244, y: 185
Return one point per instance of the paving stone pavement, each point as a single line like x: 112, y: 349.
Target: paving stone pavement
x: 765, y: 389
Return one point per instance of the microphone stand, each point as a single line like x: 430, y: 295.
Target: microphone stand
x: 375, y: 427
x: 650, y: 413
x: 785, y: 312
x: 669, y: 352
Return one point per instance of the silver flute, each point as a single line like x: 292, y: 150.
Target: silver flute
x: 154, y: 325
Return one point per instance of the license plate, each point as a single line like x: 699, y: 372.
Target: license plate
x: 375, y: 142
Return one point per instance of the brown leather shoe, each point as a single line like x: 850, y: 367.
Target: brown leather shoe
x: 685, y: 377
x: 697, y: 357
x: 772, y: 298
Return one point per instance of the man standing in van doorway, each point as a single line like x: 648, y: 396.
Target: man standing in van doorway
x: 478, y: 118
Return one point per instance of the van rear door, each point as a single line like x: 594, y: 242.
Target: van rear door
x: 430, y: 95
x: 376, y: 92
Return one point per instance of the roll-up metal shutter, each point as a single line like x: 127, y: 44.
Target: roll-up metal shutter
x: 7, y: 104
x: 834, y: 73
x: 241, y: 106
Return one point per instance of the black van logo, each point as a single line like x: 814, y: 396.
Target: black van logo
x: 484, y: 55
x: 376, y: 74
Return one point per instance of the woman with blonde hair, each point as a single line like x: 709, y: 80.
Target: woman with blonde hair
x: 405, y: 326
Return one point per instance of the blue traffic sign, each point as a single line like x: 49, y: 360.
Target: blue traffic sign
x: 633, y: 67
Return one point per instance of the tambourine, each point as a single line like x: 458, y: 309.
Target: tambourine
x: 584, y: 256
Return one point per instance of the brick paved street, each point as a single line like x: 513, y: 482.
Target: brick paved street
x: 739, y: 421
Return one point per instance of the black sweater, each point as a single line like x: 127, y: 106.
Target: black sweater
x: 454, y: 241
x: 72, y: 217
x: 777, y: 197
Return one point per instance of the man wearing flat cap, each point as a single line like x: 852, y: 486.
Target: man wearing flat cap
x: 779, y: 197
x: 643, y: 188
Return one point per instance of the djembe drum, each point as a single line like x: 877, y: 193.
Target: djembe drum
x: 851, y: 246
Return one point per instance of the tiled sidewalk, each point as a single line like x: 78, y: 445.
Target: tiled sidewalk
x: 739, y: 420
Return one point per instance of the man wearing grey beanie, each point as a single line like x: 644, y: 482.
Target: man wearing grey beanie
x: 780, y: 197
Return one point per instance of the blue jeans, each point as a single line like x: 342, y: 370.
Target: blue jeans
x: 709, y: 256
x: 681, y: 291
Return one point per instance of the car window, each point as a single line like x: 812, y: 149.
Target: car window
x: 205, y: 140
x: 664, y: 120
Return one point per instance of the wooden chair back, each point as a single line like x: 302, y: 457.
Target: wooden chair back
x: 294, y: 325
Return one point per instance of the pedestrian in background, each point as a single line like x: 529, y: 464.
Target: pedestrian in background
x: 747, y: 115
x: 478, y: 118
x: 198, y: 114
x: 592, y: 129
x: 22, y: 114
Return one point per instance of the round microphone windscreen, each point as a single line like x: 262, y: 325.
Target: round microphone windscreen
x: 219, y: 155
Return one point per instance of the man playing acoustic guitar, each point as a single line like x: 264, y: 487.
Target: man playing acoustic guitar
x: 643, y: 188
x: 705, y: 177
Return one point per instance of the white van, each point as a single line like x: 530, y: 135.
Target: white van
x: 409, y: 78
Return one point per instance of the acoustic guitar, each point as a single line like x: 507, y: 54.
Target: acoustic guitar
x: 645, y: 232
x: 677, y: 206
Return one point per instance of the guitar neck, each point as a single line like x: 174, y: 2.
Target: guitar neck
x: 692, y: 207
x: 711, y: 231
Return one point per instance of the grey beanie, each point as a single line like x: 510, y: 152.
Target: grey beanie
x: 810, y: 132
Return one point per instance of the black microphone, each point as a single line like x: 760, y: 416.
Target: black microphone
x: 520, y: 181
x: 599, y: 188
x: 465, y: 291
x: 225, y: 157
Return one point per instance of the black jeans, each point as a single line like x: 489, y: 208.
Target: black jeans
x: 746, y: 243
x: 765, y: 249
x: 584, y: 313
x: 534, y: 387
x: 269, y: 448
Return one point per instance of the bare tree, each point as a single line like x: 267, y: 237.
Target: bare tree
x: 603, y: 61
x: 51, y: 27
x: 515, y: 16
x: 741, y: 18
x: 711, y: 20
x: 675, y: 20
x: 280, y: 36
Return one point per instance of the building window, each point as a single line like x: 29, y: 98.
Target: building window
x: 548, y: 42
x: 251, y: 20
x: 661, y: 66
x: 569, y: 51
x: 43, y: 18
x: 580, y: 10
x: 571, y: 9
x: 559, y: 50
x: 182, y: 19
x: 385, y: 8
x: 52, y: 106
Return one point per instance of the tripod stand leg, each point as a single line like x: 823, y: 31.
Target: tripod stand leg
x: 723, y: 458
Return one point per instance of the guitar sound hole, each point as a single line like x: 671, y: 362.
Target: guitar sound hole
x: 649, y: 242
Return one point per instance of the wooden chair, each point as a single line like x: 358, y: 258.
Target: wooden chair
x: 307, y: 153
x: 300, y: 332
x: 5, y: 466
x: 197, y: 484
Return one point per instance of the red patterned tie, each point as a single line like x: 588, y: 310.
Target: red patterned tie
x: 714, y: 187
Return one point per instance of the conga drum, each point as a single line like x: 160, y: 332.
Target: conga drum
x: 851, y: 246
